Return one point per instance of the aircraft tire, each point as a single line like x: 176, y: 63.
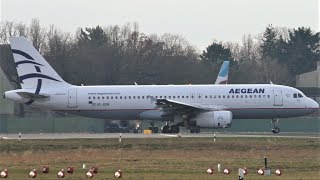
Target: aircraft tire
x: 197, y: 130
x: 275, y: 130
x: 166, y: 129
x: 174, y: 129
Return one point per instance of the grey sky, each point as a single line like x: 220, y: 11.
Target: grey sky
x: 199, y: 21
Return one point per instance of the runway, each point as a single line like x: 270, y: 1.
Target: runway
x: 140, y: 135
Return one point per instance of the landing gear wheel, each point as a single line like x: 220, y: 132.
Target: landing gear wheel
x: 275, y: 130
x: 166, y: 129
x: 174, y: 129
x: 197, y: 130
x: 194, y: 130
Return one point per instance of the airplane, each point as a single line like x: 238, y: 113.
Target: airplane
x: 126, y: 125
x: 192, y: 106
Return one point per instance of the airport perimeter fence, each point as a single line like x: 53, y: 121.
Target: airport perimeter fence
x: 75, y: 124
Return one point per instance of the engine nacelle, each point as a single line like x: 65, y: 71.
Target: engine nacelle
x: 213, y: 119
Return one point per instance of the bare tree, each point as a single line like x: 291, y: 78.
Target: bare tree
x: 36, y: 34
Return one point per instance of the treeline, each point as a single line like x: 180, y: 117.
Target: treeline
x: 124, y: 55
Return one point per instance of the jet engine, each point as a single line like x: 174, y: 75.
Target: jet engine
x: 213, y: 119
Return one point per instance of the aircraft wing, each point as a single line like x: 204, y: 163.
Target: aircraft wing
x: 176, y: 107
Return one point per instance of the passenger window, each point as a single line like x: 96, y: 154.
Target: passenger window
x: 142, y: 97
x: 94, y: 97
x: 133, y: 97
x: 98, y: 97
x: 294, y: 95
x: 223, y: 96
x: 102, y: 97
x: 125, y: 97
x: 237, y: 96
x: 89, y: 97
x: 241, y: 96
x: 299, y: 95
x: 178, y: 97
x: 111, y: 97
x: 182, y: 97
x: 187, y: 97
x: 116, y: 97
x: 129, y: 97
x: 138, y: 97
x: 268, y: 96
x: 206, y: 97
x: 210, y: 96
x: 173, y: 97
x: 120, y: 97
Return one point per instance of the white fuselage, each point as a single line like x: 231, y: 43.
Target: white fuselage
x: 134, y: 102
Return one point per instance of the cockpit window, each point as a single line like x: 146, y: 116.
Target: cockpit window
x: 297, y: 95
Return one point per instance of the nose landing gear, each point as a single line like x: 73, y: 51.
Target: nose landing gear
x: 275, y: 129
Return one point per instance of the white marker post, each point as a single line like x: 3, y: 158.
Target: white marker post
x: 19, y: 136
x: 214, y: 137
x: 120, y: 137
x: 241, y: 174
x: 83, y: 166
x: 219, y: 167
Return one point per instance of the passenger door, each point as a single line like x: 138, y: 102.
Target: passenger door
x: 72, y: 98
x: 278, y: 100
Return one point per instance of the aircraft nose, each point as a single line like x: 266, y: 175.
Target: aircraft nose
x: 315, y: 105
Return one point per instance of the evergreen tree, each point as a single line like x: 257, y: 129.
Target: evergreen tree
x: 302, y: 50
x: 269, y: 45
x: 216, y: 53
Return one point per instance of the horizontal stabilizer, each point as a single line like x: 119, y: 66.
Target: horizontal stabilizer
x: 34, y: 96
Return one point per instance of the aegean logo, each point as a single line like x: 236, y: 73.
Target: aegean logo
x: 246, y: 90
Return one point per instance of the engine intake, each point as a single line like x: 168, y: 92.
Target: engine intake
x: 214, y: 119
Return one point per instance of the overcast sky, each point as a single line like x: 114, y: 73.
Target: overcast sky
x: 199, y: 21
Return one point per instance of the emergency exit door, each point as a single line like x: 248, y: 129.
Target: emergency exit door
x: 72, y: 98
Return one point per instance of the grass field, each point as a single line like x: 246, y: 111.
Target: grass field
x: 163, y: 158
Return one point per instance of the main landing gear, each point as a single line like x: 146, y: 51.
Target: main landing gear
x: 275, y: 129
x: 194, y: 130
x: 170, y: 129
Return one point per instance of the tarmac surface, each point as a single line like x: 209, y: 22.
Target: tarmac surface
x: 141, y: 135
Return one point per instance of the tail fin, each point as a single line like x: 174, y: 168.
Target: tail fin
x: 223, y: 73
x: 33, y: 70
